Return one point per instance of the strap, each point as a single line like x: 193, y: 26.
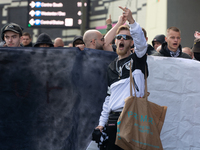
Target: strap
x: 132, y: 83
x: 145, y: 81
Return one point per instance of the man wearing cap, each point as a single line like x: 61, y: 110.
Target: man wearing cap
x: 172, y: 47
x: 12, y: 34
x: 158, y: 40
x: 196, y: 46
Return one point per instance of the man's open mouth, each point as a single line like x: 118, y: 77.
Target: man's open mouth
x: 121, y: 45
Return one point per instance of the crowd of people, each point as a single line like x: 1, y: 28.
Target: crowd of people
x: 129, y: 41
x: 168, y: 45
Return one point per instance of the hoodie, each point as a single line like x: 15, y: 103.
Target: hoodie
x: 43, y: 38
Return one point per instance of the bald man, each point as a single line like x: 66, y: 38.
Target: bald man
x: 94, y: 39
x: 188, y: 51
x: 58, y: 42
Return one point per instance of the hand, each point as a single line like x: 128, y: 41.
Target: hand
x: 127, y: 14
x: 81, y: 46
x: 109, y: 21
x: 121, y: 20
x: 197, y: 35
x: 100, y: 128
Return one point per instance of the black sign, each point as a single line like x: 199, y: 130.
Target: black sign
x: 51, y: 13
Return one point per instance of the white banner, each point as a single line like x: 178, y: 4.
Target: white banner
x: 175, y: 83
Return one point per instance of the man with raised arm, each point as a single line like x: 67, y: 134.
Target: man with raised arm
x: 119, y: 71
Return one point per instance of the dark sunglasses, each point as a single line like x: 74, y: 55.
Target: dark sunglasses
x: 125, y: 37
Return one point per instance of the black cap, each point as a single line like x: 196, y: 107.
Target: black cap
x: 13, y: 27
x: 159, y: 38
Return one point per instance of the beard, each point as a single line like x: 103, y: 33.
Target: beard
x: 99, y: 47
x: 122, y: 52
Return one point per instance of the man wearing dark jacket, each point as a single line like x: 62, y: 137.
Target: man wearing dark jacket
x: 172, y: 47
x: 27, y: 40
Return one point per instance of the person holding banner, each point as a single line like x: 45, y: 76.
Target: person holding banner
x: 93, y: 39
x: 118, y: 73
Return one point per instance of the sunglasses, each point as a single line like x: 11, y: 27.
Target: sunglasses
x: 125, y: 37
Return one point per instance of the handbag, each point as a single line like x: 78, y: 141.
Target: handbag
x: 140, y: 123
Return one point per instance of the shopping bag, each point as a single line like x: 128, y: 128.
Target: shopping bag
x: 140, y: 123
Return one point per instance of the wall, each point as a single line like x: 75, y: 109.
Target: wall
x: 100, y: 11
x: 156, y: 18
x: 184, y: 15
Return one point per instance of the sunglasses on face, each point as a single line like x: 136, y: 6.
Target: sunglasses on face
x: 125, y: 37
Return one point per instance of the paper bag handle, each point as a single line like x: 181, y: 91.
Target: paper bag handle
x: 132, y: 83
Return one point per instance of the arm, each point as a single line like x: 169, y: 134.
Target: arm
x: 104, y: 114
x: 139, y: 39
x: 109, y: 23
x: 81, y: 46
x: 136, y: 33
x: 112, y: 32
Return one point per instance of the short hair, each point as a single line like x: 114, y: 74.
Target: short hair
x: 122, y: 27
x: 173, y: 29
x: 145, y: 32
x: 27, y: 34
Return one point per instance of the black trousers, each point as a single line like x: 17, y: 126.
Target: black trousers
x: 111, y: 129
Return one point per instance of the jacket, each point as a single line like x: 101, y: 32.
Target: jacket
x: 29, y: 45
x: 150, y: 50
x: 164, y: 52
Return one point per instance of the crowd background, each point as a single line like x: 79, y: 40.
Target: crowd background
x: 155, y: 16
